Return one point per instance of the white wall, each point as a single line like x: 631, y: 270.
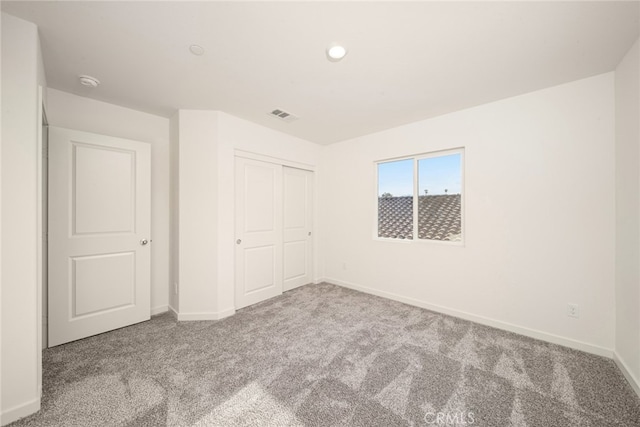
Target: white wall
x: 1, y: 135
x: 627, y: 344
x: 197, y: 213
x: 76, y: 112
x: 539, y: 215
x: 21, y: 75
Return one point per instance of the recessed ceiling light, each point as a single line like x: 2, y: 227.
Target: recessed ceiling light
x: 196, y: 49
x: 336, y: 52
x: 88, y: 81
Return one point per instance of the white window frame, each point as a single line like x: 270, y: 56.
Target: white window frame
x: 416, y: 158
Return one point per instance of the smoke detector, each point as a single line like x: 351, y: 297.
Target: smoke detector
x: 196, y: 49
x: 283, y: 115
x: 88, y: 81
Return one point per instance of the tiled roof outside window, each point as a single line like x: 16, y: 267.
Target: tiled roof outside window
x: 439, y: 217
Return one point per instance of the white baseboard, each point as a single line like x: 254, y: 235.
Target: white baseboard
x: 213, y: 315
x: 226, y: 313
x: 173, y: 311
x: 159, y: 309
x: 20, y: 411
x: 633, y: 381
x: 532, y: 333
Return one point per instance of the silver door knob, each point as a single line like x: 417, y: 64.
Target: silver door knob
x: 238, y: 241
x: 143, y: 242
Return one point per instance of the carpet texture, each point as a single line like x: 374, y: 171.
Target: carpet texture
x: 322, y: 355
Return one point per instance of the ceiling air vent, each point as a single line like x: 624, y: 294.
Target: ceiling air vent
x: 283, y: 115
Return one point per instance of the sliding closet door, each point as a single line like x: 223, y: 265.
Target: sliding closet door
x: 258, y: 208
x: 297, y: 221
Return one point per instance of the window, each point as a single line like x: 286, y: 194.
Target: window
x: 421, y: 197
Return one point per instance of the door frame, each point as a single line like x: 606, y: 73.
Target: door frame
x: 41, y: 229
x: 289, y: 163
x: 270, y: 159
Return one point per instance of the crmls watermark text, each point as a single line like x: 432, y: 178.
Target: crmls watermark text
x: 450, y: 418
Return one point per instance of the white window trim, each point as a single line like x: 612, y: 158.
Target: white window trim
x: 416, y: 158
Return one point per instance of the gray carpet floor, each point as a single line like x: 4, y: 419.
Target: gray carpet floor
x: 322, y: 355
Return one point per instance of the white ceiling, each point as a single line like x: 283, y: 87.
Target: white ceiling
x: 407, y: 61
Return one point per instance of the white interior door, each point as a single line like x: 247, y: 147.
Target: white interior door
x: 99, y: 225
x: 258, y: 209
x: 298, y: 226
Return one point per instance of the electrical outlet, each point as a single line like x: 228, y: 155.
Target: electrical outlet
x: 573, y: 310
x: 175, y: 288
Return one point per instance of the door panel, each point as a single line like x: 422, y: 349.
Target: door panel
x: 295, y: 254
x: 258, y: 252
x: 99, y: 216
x: 259, y: 268
x: 104, y: 183
x: 259, y: 192
x: 298, y: 226
x: 102, y: 282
